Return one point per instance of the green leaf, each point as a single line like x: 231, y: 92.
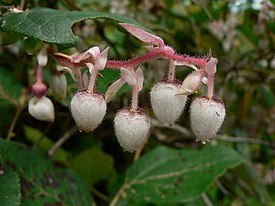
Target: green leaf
x: 167, y: 175
x: 109, y: 76
x: 93, y: 165
x: 35, y: 135
x: 52, y: 26
x: 7, y: 39
x: 271, y: 26
x: 9, y: 189
x: 10, y: 88
x: 42, y: 182
x: 267, y: 96
x: 246, y: 28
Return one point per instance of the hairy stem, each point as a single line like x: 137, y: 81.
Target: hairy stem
x: 161, y: 52
x: 171, y: 72
x: 210, y: 86
x: 91, y: 86
x: 134, y: 104
x: 165, y: 52
x: 39, y: 74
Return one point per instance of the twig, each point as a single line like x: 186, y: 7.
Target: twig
x: 118, y: 195
x: 245, y: 186
x: 185, y: 132
x: 13, y: 123
x: 62, y: 140
x: 100, y: 195
x: 72, y: 5
x: 5, y: 95
x: 206, y: 199
x: 188, y: 134
x: 221, y: 187
x: 22, y: 4
x: 205, y: 9
x: 42, y: 135
x: 138, y: 153
x: 243, y: 140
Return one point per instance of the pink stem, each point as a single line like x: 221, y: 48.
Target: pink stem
x: 165, y: 52
x: 210, y: 86
x: 134, y: 105
x: 39, y: 74
x: 91, y: 86
x: 161, y: 52
x: 171, y: 72
x: 79, y: 78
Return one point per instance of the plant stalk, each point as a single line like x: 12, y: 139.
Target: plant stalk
x: 210, y: 85
x: 91, y: 86
x: 118, y: 195
x: 134, y: 105
x: 13, y: 123
x: 171, y: 72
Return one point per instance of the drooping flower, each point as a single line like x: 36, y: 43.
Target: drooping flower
x: 41, y: 109
x: 88, y: 110
x: 206, y: 116
x: 132, y: 128
x: 58, y: 84
x: 166, y: 105
x: 88, y: 107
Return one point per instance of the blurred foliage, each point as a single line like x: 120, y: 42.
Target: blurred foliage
x: 239, y: 33
x: 43, y: 183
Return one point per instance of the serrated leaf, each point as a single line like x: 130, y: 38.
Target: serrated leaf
x: 53, y: 26
x: 9, y: 189
x: 42, y: 182
x: 167, y: 175
x: 93, y: 165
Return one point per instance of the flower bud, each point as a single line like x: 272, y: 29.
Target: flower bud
x: 131, y: 128
x: 206, y: 116
x: 42, y: 56
x: 41, y: 109
x: 211, y: 66
x: 166, y: 106
x: 39, y: 89
x: 88, y: 110
x: 191, y: 83
x: 58, y: 84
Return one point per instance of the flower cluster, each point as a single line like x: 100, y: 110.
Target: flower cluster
x: 132, y: 124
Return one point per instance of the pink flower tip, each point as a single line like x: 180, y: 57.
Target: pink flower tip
x: 143, y: 35
x: 39, y: 89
